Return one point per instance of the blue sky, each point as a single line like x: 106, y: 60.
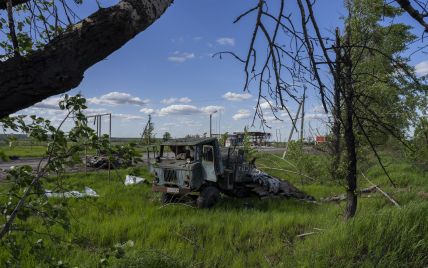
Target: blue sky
x: 168, y: 71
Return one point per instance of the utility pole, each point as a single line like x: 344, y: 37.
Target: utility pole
x: 303, y: 115
x: 149, y: 127
x: 211, y: 118
x: 98, y: 122
x: 292, y: 129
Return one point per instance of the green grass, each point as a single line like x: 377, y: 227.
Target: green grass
x: 40, y: 150
x: 244, y: 232
x: 24, y: 150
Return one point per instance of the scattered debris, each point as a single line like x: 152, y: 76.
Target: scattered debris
x: 89, y: 192
x: 95, y: 161
x: 267, y: 185
x: 127, y: 244
x: 129, y: 180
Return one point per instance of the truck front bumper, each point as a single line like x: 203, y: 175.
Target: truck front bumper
x: 170, y: 190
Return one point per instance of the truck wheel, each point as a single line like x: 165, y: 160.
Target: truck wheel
x: 168, y: 198
x: 208, y: 197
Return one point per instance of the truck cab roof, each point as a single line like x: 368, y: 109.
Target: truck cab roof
x: 189, y: 141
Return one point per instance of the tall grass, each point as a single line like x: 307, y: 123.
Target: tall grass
x: 240, y: 232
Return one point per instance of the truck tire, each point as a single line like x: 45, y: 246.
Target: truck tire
x: 169, y: 198
x: 208, y: 197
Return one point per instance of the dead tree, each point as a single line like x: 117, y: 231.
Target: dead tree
x: 349, y: 135
x: 299, y: 61
x: 337, y: 114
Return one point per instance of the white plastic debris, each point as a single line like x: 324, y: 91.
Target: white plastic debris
x: 89, y: 192
x: 129, y: 180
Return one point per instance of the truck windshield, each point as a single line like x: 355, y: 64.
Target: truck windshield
x: 183, y: 152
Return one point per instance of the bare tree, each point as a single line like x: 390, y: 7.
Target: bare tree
x: 280, y: 74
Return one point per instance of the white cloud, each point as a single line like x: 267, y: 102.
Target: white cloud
x: 116, y: 98
x: 422, y: 68
x: 95, y: 110
x: 128, y: 117
x: 316, y: 116
x: 271, y: 119
x: 319, y: 109
x: 242, y: 114
x: 147, y: 110
x: 212, y: 109
x: 266, y: 105
x: 49, y: 103
x: 179, y: 109
x: 232, y: 96
x: 180, y: 57
x: 175, y: 100
x: 185, y: 109
x: 226, y: 41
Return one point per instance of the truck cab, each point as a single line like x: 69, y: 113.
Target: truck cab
x: 187, y: 165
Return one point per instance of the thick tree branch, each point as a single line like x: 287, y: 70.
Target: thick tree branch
x: 3, y: 3
x: 415, y: 14
x: 60, y: 65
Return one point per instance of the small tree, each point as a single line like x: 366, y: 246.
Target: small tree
x: 248, y: 149
x: 148, y: 133
x: 166, y: 136
x: 223, y: 138
x: 420, y: 143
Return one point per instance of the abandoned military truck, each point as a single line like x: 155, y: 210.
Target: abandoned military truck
x: 185, y: 167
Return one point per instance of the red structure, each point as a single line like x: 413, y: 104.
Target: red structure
x: 320, y: 139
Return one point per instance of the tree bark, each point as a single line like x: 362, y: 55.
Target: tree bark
x: 351, y: 152
x: 415, y: 14
x: 336, y: 150
x: 61, y: 64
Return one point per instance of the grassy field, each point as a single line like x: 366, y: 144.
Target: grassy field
x: 243, y: 232
x: 24, y: 150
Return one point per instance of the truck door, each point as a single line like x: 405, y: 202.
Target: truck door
x: 208, y: 170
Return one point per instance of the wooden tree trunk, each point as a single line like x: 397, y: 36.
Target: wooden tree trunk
x: 351, y: 152
x: 336, y: 150
x: 61, y: 64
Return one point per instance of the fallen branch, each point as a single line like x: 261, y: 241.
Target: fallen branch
x: 306, y: 234
x: 380, y: 190
x: 342, y: 197
x: 317, y: 230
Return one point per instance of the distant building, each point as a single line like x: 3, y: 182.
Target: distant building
x: 256, y: 138
x: 320, y: 139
